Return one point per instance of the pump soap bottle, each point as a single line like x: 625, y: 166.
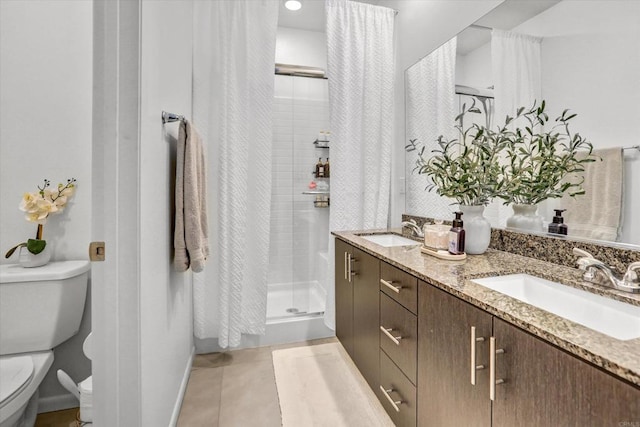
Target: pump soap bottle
x: 558, y: 226
x: 456, y: 236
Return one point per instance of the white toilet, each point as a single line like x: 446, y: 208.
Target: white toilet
x: 39, y: 309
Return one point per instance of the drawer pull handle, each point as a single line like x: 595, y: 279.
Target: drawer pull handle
x: 474, y: 367
x: 492, y: 368
x: 394, y: 403
x: 389, y: 284
x: 387, y: 332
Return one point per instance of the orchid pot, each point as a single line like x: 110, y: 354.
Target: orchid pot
x: 37, y: 207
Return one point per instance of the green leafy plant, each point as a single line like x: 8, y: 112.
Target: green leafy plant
x: 539, y: 161
x: 466, y: 169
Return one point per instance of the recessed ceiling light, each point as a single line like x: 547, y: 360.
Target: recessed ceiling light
x: 293, y: 4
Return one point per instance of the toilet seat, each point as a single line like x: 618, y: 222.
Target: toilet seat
x: 18, y: 398
x: 15, y: 374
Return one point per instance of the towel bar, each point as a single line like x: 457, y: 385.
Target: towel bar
x: 633, y: 147
x: 171, y: 117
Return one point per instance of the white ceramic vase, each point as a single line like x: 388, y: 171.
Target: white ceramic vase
x: 477, y: 229
x: 27, y: 259
x: 526, y: 218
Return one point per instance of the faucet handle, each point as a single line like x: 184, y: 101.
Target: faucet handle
x: 582, y: 253
x: 631, y: 276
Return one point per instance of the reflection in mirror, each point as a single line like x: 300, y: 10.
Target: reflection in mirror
x: 589, y: 63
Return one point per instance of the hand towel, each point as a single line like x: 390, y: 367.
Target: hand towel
x: 191, y: 242
x: 597, y: 213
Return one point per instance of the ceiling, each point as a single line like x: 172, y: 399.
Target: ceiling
x: 310, y: 17
x: 506, y: 16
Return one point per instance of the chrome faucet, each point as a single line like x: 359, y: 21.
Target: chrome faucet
x: 596, y: 271
x: 417, y: 231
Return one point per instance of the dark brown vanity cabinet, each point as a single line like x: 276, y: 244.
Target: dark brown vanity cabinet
x: 357, y: 308
x: 447, y: 396
x: 344, y: 295
x: 536, y: 384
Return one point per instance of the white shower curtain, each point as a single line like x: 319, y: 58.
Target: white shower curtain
x: 361, y: 71
x: 431, y: 109
x: 516, y: 65
x: 515, y: 61
x: 233, y: 69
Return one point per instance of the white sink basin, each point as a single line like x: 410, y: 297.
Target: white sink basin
x: 610, y: 317
x: 388, y: 240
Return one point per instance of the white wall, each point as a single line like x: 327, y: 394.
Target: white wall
x: 474, y: 68
x: 300, y: 47
x: 45, y: 132
x: 422, y: 26
x: 598, y: 80
x: 165, y: 296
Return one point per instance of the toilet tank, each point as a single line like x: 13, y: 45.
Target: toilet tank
x: 41, y: 307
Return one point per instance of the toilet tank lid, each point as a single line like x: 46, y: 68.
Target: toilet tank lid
x: 57, y: 270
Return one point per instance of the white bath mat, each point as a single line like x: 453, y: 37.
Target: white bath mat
x: 320, y: 386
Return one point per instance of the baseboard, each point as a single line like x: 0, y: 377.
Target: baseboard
x: 57, y: 403
x: 183, y: 388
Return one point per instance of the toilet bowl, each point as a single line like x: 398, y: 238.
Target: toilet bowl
x: 39, y: 309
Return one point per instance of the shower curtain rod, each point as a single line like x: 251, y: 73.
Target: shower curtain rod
x: 171, y: 117
x: 480, y: 27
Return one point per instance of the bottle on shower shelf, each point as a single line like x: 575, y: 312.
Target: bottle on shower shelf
x: 320, y: 168
x: 327, y: 169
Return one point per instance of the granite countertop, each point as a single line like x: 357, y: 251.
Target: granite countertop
x: 616, y: 356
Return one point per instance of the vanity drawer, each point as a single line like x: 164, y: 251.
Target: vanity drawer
x: 399, y: 341
x: 394, y: 386
x: 400, y: 286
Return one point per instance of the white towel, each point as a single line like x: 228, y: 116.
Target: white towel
x: 191, y: 232
x: 597, y: 213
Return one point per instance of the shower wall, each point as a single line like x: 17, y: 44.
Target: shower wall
x: 298, y: 229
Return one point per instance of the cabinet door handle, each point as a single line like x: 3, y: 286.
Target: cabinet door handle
x: 387, y: 332
x: 389, y: 284
x: 394, y: 403
x: 345, y: 266
x: 474, y: 367
x: 351, y: 273
x: 492, y: 367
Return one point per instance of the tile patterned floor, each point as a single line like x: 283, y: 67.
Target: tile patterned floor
x: 230, y: 389
x: 236, y: 388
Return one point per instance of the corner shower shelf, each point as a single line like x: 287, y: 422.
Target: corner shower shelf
x: 317, y: 192
x: 321, y: 144
x: 322, y: 198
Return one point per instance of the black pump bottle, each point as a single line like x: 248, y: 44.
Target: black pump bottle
x: 558, y: 226
x: 456, y: 236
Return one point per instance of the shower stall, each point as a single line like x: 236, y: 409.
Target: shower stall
x: 299, y: 206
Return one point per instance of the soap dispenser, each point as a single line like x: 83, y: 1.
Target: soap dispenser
x: 456, y: 236
x: 558, y: 226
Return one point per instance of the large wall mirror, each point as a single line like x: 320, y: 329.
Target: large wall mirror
x: 590, y: 64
